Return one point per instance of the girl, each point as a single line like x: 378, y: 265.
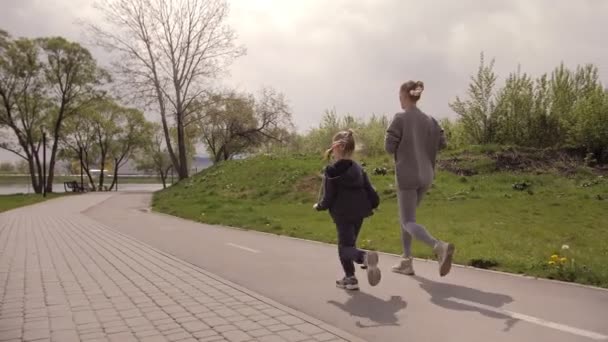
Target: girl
x: 414, y: 139
x: 350, y: 198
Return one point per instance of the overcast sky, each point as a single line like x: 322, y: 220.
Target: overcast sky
x: 354, y: 54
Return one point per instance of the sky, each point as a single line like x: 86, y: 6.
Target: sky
x: 352, y: 55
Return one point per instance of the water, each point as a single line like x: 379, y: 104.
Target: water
x: 27, y: 188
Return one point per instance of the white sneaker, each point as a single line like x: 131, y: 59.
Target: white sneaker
x: 373, y: 272
x: 405, y: 266
x: 444, y: 252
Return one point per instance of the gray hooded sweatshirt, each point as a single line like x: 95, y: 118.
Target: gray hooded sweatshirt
x: 414, y: 139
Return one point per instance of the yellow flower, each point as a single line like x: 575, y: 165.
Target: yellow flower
x: 555, y: 257
x: 563, y: 260
x: 551, y: 262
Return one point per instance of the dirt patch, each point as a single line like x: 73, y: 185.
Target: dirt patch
x: 309, y: 184
x: 454, y: 165
x: 565, y: 162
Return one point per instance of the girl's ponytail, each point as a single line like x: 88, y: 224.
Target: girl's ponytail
x: 328, y: 153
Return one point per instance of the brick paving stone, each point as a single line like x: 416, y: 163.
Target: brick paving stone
x: 289, y: 320
x: 122, y: 337
x: 224, y: 328
x: 11, y: 334
x: 271, y: 338
x: 292, y: 335
x: 178, y: 336
x: 195, y: 326
x: 323, y: 337
x: 69, y: 278
x: 92, y: 336
x: 278, y: 327
x: 205, y: 333
x: 236, y: 336
x: 212, y: 339
x: 36, y: 334
x: 154, y: 339
x: 308, y: 329
x: 259, y: 332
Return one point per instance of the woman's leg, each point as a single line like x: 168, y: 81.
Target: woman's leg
x: 408, y: 201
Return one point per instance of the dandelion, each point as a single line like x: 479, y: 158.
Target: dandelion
x: 563, y: 260
x: 565, y: 247
x: 551, y: 262
x: 555, y: 257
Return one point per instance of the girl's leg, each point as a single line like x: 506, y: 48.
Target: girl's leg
x: 347, y: 234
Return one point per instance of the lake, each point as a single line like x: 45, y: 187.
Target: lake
x: 27, y: 188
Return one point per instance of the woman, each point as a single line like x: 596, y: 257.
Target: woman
x: 414, y: 139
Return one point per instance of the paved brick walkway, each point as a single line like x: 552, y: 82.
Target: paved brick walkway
x: 65, y: 277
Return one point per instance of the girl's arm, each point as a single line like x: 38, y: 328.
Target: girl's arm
x: 393, y: 135
x: 372, y: 194
x: 328, y: 194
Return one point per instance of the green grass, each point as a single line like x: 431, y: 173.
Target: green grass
x: 483, y: 215
x: 8, y: 202
x: 14, y: 180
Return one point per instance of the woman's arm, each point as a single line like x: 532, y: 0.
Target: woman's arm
x: 393, y: 135
x: 443, y: 142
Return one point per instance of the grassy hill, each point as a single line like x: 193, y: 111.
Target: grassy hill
x: 504, y: 209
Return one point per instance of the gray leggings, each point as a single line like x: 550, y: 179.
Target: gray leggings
x: 408, y: 202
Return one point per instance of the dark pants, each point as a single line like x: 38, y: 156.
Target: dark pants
x: 348, y: 231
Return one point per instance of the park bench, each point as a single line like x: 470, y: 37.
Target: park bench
x: 72, y: 186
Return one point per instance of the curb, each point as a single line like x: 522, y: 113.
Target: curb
x: 559, y: 282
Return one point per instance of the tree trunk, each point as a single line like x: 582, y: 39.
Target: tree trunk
x: 163, y: 178
x: 51, y: 168
x: 102, y: 165
x: 39, y: 169
x: 115, y: 176
x: 35, y: 182
x: 174, y: 159
x: 182, y: 171
x: 87, y: 169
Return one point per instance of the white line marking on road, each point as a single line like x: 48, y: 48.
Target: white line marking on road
x: 534, y: 320
x: 242, y: 247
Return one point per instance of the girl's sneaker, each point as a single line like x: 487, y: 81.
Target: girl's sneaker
x: 373, y: 272
x: 348, y: 283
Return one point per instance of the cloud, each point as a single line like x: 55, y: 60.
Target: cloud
x: 353, y: 55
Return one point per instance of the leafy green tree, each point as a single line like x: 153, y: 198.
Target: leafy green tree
x: 478, y: 111
x: 24, y: 107
x: 590, y: 128
x: 153, y: 157
x: 131, y: 134
x: 72, y: 78
x: 234, y: 123
x: 514, y: 110
x: 78, y: 142
x: 7, y: 167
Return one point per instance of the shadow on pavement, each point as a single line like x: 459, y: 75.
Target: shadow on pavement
x: 442, y: 293
x: 364, y: 305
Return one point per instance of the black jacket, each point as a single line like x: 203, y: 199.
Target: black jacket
x: 347, y: 191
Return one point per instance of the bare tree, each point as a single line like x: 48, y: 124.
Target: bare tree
x: 168, y: 50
